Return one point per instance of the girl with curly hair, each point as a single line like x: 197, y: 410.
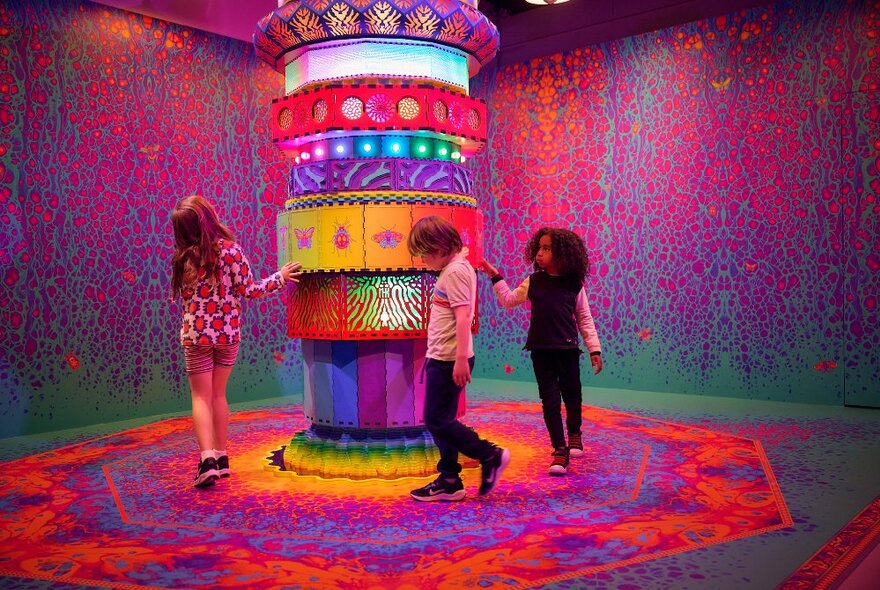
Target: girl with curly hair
x: 559, y: 311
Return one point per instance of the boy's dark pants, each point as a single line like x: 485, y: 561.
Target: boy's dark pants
x: 558, y: 375
x: 451, y: 436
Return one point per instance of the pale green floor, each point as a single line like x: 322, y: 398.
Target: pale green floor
x: 826, y: 477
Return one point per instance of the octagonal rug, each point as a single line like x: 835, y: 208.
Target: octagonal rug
x: 118, y: 511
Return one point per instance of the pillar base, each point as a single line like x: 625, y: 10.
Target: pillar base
x: 359, y: 454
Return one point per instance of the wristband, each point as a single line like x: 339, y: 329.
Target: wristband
x: 497, y: 278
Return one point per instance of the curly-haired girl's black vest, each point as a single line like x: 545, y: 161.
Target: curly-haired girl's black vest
x: 553, y: 300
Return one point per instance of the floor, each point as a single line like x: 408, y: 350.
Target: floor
x: 824, y: 458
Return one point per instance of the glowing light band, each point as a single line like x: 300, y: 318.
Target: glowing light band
x: 359, y: 306
x: 371, y: 145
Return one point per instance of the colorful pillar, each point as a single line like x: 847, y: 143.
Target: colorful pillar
x: 379, y: 123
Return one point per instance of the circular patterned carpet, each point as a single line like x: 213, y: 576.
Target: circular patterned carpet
x: 119, y: 510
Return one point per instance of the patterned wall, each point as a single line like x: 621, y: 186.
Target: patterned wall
x: 724, y: 174
x: 108, y: 118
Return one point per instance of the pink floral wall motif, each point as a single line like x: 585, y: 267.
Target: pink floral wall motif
x: 723, y: 172
x: 724, y: 176
x: 108, y: 118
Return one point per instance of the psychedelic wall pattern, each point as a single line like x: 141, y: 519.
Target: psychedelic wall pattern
x: 723, y: 172
x: 108, y: 118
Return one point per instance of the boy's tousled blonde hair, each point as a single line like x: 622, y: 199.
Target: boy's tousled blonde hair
x: 433, y: 235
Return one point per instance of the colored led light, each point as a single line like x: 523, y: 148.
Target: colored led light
x: 394, y: 146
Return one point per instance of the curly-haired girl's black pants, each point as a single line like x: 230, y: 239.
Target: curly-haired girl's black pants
x: 559, y: 381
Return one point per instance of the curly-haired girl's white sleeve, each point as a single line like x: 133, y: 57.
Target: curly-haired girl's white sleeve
x: 585, y: 323
x: 508, y: 298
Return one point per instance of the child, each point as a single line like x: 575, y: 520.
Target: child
x: 559, y: 311
x: 209, y: 274
x: 449, y: 361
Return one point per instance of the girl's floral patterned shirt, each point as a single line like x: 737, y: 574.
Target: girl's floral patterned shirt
x: 212, y: 311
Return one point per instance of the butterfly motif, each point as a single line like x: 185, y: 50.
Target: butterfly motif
x: 304, y: 237
x: 387, y: 238
x: 151, y: 151
x: 278, y: 357
x: 721, y: 85
x: 825, y: 366
x: 645, y: 334
x: 128, y: 276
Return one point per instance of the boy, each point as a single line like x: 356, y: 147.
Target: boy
x: 449, y: 361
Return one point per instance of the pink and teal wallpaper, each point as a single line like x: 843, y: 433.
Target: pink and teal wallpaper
x: 724, y: 174
x: 108, y: 118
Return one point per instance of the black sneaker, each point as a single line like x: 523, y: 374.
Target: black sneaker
x: 575, y: 445
x: 560, y: 462
x: 492, y: 469
x: 223, y: 466
x: 440, y: 489
x: 208, y: 473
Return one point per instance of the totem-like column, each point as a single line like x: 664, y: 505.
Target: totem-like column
x: 378, y: 120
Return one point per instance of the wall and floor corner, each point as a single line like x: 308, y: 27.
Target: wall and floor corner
x: 723, y: 172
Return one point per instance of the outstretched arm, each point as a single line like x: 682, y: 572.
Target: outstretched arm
x: 487, y: 268
x: 243, y: 282
x: 507, y: 297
